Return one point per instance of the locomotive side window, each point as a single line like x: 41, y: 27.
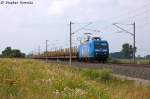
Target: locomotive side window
x: 100, y: 45
x: 103, y: 44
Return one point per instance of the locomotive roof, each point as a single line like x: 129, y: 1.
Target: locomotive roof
x: 86, y: 42
x: 96, y: 38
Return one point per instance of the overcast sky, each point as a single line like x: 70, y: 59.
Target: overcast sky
x: 27, y: 26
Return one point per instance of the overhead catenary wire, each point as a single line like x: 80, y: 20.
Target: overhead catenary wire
x: 137, y: 10
x: 133, y: 34
x: 135, y: 13
x: 82, y: 27
x: 92, y: 30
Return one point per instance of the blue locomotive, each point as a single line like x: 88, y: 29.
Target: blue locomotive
x: 93, y: 49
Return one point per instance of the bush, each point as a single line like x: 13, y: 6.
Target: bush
x: 105, y: 75
x: 102, y: 75
x: 72, y: 83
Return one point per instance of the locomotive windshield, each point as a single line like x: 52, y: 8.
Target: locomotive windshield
x: 101, y: 45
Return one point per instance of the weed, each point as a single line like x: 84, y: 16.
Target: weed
x: 103, y: 75
x: 30, y: 79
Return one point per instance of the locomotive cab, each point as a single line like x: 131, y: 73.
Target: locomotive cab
x: 94, y: 49
x: 101, y: 50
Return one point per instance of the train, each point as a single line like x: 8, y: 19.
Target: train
x: 93, y: 49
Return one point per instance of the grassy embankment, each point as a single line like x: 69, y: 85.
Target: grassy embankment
x: 29, y: 79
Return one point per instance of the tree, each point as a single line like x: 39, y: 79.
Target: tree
x: 127, y: 50
x: 17, y: 53
x: 7, y: 52
x: 12, y: 53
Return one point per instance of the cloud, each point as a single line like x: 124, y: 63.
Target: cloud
x: 58, y: 7
x: 26, y: 27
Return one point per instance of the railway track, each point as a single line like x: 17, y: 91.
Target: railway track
x: 130, y: 70
x: 132, y: 65
x: 110, y: 64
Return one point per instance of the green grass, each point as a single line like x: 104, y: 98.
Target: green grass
x: 30, y: 79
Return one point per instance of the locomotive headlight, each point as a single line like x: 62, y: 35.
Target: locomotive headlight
x: 96, y: 53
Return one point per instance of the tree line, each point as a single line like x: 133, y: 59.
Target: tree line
x: 125, y: 53
x: 12, y: 53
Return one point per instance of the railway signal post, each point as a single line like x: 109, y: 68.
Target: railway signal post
x: 46, y: 52
x: 132, y: 34
x: 70, y: 50
x: 134, y: 43
x: 39, y: 50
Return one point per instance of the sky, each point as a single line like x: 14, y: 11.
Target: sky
x: 27, y: 26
